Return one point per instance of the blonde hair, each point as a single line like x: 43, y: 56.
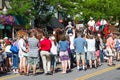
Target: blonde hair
x: 21, y: 33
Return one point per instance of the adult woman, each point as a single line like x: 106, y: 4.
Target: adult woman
x: 22, y: 51
x: 45, y: 46
x: 33, y: 52
x: 97, y: 47
x: 64, y: 56
x: 54, y: 52
x: 15, y: 58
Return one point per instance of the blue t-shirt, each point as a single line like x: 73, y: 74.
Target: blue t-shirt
x: 63, y: 45
x: 79, y: 45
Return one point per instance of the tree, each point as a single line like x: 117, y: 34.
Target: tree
x: 47, y: 8
x: 94, y: 8
x: 23, y: 8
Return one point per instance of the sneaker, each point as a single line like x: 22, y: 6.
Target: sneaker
x: 27, y: 74
x: 16, y: 71
x: 13, y: 70
x: 113, y: 64
x: 49, y: 73
x: 46, y: 74
x: 69, y: 70
x: 110, y: 65
x: 85, y: 69
x: 78, y: 69
x: 34, y: 74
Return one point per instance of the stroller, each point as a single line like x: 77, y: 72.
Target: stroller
x: 105, y: 55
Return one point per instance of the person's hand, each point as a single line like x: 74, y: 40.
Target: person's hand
x: 27, y: 50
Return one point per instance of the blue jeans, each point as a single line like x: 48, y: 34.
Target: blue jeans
x: 101, y: 56
x: 15, y: 60
x: 53, y: 61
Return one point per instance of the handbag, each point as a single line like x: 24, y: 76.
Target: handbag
x: 14, y: 49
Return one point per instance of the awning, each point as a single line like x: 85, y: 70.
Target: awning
x: 19, y: 20
x: 54, y: 23
x: 2, y: 26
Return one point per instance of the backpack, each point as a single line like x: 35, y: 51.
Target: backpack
x: 70, y: 31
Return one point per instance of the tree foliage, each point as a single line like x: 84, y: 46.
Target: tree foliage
x: 94, y: 8
x: 82, y: 8
x: 23, y: 8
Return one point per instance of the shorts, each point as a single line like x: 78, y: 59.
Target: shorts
x: 118, y: 49
x: 110, y: 53
x: 9, y: 55
x: 97, y: 53
x: 23, y: 55
x: 91, y: 55
x: 32, y: 60
x: 80, y: 56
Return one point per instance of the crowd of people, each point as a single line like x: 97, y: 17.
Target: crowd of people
x: 78, y: 47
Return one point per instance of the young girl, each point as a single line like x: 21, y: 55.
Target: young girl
x: 97, y: 45
x: 64, y: 57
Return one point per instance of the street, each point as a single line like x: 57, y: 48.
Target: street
x: 103, y: 72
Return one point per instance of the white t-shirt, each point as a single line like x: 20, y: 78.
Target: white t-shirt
x: 91, y: 23
x: 72, y: 37
x: 54, y: 48
x: 78, y: 26
x: 90, y: 44
x: 22, y: 46
x: 103, y: 22
x: 7, y: 49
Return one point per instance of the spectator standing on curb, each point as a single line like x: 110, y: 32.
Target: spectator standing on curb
x: 15, y: 57
x: 64, y: 56
x: 45, y: 46
x: 54, y: 52
x: 91, y: 56
x: 23, y: 52
x: 79, y: 44
x: 33, y: 52
x: 110, y: 48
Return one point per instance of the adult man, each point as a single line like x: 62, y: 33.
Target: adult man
x: 72, y: 49
x: 79, y: 44
x: 91, y: 24
x: 103, y: 22
x: 45, y: 46
x: 80, y: 25
x: 91, y: 50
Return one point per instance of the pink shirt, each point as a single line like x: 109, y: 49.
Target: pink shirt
x: 98, y: 23
x: 110, y: 43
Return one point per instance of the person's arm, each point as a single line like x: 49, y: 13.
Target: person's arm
x: 21, y: 46
x: 101, y: 44
x: 74, y: 33
x: 40, y: 43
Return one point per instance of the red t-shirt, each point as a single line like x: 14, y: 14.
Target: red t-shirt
x: 45, y: 45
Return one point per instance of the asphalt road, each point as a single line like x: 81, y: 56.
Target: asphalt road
x: 103, y: 72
